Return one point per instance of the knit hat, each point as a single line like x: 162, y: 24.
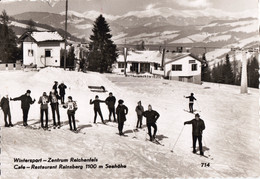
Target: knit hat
x: 197, y: 115
x: 28, y: 91
x: 139, y: 102
x: 70, y: 97
x: 120, y: 101
x: 44, y: 94
x: 96, y: 96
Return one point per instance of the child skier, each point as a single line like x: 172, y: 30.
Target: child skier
x: 191, y: 101
x: 110, y: 101
x: 139, y: 111
x: 72, y: 107
x: 97, y: 109
x: 121, y: 112
x: 53, y: 98
x: 6, y: 109
x: 197, y: 129
x: 43, y: 101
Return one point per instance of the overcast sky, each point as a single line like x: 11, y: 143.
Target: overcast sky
x: 119, y: 7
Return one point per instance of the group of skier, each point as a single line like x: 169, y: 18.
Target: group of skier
x: 120, y: 111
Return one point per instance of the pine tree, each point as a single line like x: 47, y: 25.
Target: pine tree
x: 9, y: 51
x: 31, y: 26
x: 252, y: 73
x: 205, y: 70
x: 104, y: 50
x: 227, y: 72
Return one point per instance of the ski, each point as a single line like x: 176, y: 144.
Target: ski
x: 122, y: 135
x: 155, y: 142
x: 206, y: 156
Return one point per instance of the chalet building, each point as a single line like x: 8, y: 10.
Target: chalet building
x: 42, y: 49
x: 139, y: 62
x: 173, y: 65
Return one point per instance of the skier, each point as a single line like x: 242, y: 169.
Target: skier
x: 191, y: 101
x: 110, y: 101
x: 151, y: 118
x: 72, y: 107
x: 6, y: 109
x: 53, y: 98
x: 121, y: 112
x: 62, y: 88
x: 26, y: 101
x: 43, y: 101
x: 139, y: 111
x: 197, y: 128
x: 55, y: 87
x: 97, y: 109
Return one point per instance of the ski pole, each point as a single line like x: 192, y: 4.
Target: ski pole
x: 177, y: 139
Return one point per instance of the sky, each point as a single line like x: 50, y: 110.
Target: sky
x: 120, y: 7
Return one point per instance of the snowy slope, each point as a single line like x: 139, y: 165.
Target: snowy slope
x: 231, y: 133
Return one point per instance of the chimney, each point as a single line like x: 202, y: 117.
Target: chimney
x: 163, y: 56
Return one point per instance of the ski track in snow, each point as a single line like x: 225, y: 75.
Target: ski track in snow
x: 231, y: 135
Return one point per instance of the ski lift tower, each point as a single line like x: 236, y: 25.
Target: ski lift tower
x: 244, y: 86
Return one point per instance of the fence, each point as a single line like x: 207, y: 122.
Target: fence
x: 10, y: 66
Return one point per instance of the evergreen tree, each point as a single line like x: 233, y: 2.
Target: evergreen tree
x: 205, y: 70
x: 104, y: 50
x: 9, y: 51
x: 252, y: 73
x: 227, y: 72
x: 31, y: 26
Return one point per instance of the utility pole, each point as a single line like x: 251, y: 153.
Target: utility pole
x: 125, y: 56
x: 66, y: 26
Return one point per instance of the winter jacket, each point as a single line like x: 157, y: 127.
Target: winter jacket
x: 151, y: 116
x: 111, y: 101
x: 96, y: 103
x: 55, y: 87
x: 121, y: 112
x: 197, y: 126
x: 72, y: 107
x: 53, y: 99
x: 44, y: 100
x: 192, y: 98
x: 139, y: 110
x: 5, y: 104
x: 26, y: 101
x: 62, y: 88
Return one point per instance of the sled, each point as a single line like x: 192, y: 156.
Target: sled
x: 100, y: 89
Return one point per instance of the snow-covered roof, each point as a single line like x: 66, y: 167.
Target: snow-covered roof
x: 141, y: 56
x: 42, y: 36
x: 46, y: 36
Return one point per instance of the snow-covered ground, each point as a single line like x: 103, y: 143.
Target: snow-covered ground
x: 231, y: 136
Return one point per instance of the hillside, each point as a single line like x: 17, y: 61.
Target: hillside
x: 230, y: 138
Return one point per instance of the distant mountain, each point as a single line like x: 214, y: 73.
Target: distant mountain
x: 161, y: 26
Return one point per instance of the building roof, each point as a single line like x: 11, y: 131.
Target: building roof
x: 141, y: 56
x: 43, y: 36
x: 172, y: 57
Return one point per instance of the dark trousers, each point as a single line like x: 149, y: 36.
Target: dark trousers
x: 44, y: 111
x: 112, y: 111
x: 149, y: 125
x: 25, y: 116
x: 55, y: 109
x: 7, y: 113
x: 194, y: 137
x: 191, y: 107
x: 120, y: 127
x: 72, y: 120
x: 62, y: 97
x: 139, y: 121
x: 100, y: 114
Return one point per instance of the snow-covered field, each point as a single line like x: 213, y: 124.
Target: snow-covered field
x: 231, y: 137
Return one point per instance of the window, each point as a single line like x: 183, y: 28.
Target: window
x: 192, y: 61
x: 30, y: 53
x: 121, y: 65
x: 47, y: 53
x: 194, y: 67
x: 176, y: 67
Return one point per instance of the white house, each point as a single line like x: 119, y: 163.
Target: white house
x: 175, y: 66
x: 42, y: 48
x: 182, y: 67
x: 139, y: 62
